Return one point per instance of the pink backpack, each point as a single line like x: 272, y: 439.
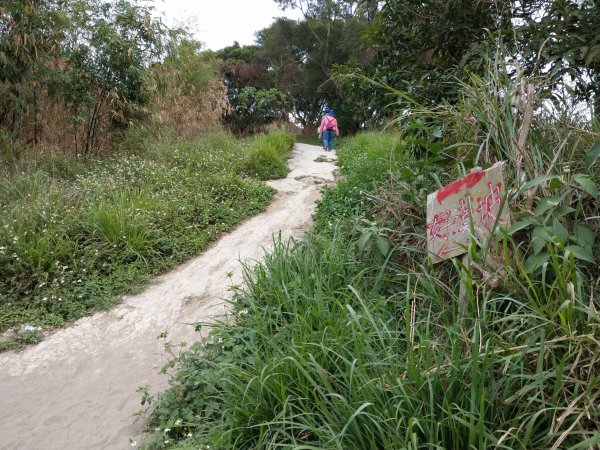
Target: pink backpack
x: 329, y: 126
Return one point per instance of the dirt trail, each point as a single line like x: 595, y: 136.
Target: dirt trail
x: 76, y: 390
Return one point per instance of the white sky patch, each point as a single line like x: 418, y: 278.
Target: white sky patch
x: 218, y: 23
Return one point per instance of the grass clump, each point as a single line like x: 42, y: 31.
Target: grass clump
x: 268, y: 154
x: 331, y: 351
x: 76, y: 234
x: 352, y: 339
x: 18, y: 339
x: 365, y: 161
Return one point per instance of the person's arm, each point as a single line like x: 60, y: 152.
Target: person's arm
x: 335, y: 127
x: 321, y: 127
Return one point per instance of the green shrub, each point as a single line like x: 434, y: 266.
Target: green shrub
x: 59, y: 167
x: 331, y: 345
x: 265, y: 162
x: 283, y: 141
x: 268, y: 154
x: 75, y: 234
x: 331, y: 350
x: 20, y: 339
x: 365, y: 161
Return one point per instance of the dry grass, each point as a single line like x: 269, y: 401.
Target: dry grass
x: 190, y: 115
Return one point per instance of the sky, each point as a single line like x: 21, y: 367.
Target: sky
x: 218, y: 23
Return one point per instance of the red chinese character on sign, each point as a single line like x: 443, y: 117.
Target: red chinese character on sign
x: 489, y: 208
x: 474, y: 202
x: 462, y: 219
x: 439, y: 227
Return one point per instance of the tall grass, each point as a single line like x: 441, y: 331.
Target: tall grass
x: 365, y: 161
x: 268, y: 155
x: 329, y: 350
x: 75, y: 234
x: 337, y: 344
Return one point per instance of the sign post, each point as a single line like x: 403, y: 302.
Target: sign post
x: 474, y: 202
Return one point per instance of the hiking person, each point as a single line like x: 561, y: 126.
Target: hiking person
x: 327, y: 129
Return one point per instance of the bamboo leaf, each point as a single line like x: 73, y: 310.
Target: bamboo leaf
x: 587, y: 185
x: 583, y: 236
x: 584, y: 254
x: 592, y: 156
x: 532, y: 183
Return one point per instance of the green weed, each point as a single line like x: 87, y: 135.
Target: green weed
x: 76, y: 234
x: 17, y: 340
x: 350, y: 339
x: 268, y: 155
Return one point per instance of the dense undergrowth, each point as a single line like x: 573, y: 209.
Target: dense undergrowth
x: 352, y: 339
x: 74, y: 234
x: 268, y: 154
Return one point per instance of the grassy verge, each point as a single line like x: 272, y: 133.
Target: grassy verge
x: 268, y: 155
x: 350, y: 339
x: 74, y: 235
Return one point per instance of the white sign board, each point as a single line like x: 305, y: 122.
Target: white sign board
x: 473, y: 201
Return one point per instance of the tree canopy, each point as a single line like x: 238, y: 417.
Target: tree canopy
x: 423, y: 48
x: 92, y: 55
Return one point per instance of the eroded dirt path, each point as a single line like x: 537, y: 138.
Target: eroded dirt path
x: 76, y: 390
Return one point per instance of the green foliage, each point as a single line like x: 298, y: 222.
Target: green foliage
x: 253, y: 109
x: 268, y: 154
x: 18, y: 340
x: 333, y: 9
x: 559, y: 222
x: 236, y: 53
x: 109, y: 48
x: 332, y: 346
x: 592, y: 156
x: 186, y: 70
x: 286, y: 61
x: 75, y: 75
x: 573, y: 51
x: 422, y: 47
x: 188, y: 95
x: 74, y: 234
x: 351, y: 338
x: 302, y: 69
x: 364, y: 161
x: 30, y: 31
